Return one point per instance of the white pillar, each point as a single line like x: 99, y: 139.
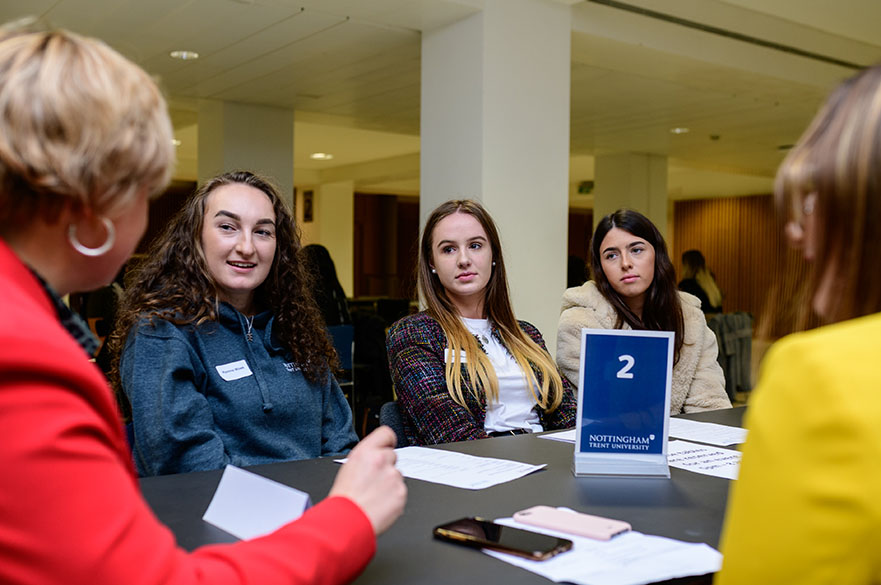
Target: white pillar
x: 495, y: 127
x: 334, y: 215
x: 234, y: 136
x: 636, y: 181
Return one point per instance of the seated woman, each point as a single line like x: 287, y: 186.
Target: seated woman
x: 224, y: 357
x: 699, y: 281
x: 326, y: 287
x: 465, y: 368
x: 804, y: 509
x: 634, y: 287
x: 85, y: 142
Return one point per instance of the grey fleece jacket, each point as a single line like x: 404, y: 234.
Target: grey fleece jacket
x: 204, y: 396
x: 698, y: 382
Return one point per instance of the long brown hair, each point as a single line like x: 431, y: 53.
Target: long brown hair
x: 838, y: 160
x: 662, y: 310
x: 528, y: 355
x: 174, y: 283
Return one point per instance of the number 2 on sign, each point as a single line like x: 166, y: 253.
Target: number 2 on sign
x: 625, y: 372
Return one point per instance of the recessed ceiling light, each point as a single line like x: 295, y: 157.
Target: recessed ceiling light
x: 175, y: 141
x: 679, y: 130
x: 184, y: 55
x: 321, y: 156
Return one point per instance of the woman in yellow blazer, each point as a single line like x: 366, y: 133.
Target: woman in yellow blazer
x: 807, y: 505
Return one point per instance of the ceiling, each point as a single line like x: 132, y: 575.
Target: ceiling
x: 745, y: 76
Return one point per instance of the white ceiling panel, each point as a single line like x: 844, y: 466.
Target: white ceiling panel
x: 354, y: 65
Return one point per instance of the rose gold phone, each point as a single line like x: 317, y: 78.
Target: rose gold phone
x: 595, y: 527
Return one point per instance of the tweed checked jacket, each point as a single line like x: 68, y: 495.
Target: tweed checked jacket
x: 416, y: 349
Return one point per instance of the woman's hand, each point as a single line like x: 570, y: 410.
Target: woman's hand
x: 369, y: 479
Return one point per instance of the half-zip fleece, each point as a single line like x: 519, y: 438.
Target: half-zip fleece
x: 205, y: 396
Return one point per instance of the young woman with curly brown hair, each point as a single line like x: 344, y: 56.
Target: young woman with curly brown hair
x: 223, y: 355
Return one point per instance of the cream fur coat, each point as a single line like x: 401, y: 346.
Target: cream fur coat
x: 698, y: 382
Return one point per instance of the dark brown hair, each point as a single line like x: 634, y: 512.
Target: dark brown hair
x: 662, y: 310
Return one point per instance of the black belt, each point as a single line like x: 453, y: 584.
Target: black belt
x: 509, y: 432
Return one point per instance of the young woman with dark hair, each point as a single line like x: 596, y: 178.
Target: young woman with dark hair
x: 634, y: 287
x: 222, y: 352
x: 465, y: 368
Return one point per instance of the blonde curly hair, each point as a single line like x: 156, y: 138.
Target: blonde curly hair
x: 81, y: 126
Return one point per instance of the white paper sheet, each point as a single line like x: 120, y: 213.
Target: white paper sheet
x: 632, y: 558
x: 705, y: 432
x: 682, y: 428
x: 563, y: 436
x: 703, y: 459
x: 458, y: 469
x: 248, y: 505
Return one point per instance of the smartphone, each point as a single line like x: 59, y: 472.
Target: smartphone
x: 480, y: 533
x: 595, y: 527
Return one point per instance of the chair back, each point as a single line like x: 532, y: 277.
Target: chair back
x: 734, y: 333
x: 343, y: 337
x: 390, y: 415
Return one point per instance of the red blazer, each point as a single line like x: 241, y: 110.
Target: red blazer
x: 70, y: 507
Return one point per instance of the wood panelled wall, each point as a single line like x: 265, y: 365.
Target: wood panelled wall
x: 738, y: 237
x: 385, y: 243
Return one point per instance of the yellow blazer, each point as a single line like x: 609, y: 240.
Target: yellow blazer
x: 807, y: 505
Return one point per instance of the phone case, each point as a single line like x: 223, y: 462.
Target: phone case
x: 595, y: 527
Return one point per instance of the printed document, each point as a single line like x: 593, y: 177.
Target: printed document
x: 704, y: 459
x: 631, y: 558
x: 704, y: 432
x: 458, y: 469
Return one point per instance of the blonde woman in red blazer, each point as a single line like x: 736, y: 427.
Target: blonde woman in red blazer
x: 76, y: 170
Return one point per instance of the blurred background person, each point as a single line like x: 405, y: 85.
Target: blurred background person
x: 699, y: 281
x: 805, y: 506
x: 328, y: 291
x: 85, y: 141
x: 634, y: 287
x: 465, y: 368
x: 576, y: 271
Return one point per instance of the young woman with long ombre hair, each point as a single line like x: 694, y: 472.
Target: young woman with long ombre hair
x: 465, y: 368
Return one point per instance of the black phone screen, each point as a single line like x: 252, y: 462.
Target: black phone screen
x: 480, y: 533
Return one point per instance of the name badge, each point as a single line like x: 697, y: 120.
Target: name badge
x: 234, y: 370
x: 448, y: 354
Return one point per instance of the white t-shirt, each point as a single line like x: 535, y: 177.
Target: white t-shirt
x: 514, y: 409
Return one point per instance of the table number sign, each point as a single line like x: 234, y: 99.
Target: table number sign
x: 623, y: 403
